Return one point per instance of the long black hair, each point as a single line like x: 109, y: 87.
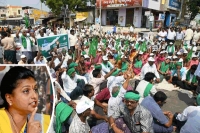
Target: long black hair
x: 10, y: 79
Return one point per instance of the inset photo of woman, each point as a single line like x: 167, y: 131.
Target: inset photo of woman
x: 26, y: 99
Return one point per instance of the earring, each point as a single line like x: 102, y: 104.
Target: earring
x: 10, y: 104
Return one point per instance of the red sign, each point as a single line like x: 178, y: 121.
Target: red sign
x: 118, y: 3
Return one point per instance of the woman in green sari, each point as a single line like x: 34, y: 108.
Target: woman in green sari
x: 137, y: 64
x: 163, y: 68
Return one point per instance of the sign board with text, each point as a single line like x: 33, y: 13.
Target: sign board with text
x: 46, y: 44
x: 175, y: 4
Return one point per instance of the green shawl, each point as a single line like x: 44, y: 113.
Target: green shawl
x: 172, y: 50
x: 124, y: 66
x: 24, y: 42
x: 194, y: 79
x: 138, y: 64
x: 164, y: 67
x: 147, y: 89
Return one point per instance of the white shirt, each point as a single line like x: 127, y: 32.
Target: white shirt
x: 162, y: 34
x: 72, y: 40
x: 106, y: 68
x: 147, y: 68
x: 114, y: 81
x: 171, y: 35
x: 179, y: 36
x: 44, y: 61
x: 141, y: 88
x: 188, y: 34
x: 28, y: 40
x: 70, y: 84
x: 191, y: 115
x: 114, y: 102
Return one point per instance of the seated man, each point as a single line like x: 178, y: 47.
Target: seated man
x: 150, y: 67
x: 73, y: 83
x: 97, y: 79
x: 177, y: 73
x: 153, y: 104
x: 189, y: 80
x: 137, y: 118
x: 106, y: 65
x: 145, y: 87
x: 192, y: 116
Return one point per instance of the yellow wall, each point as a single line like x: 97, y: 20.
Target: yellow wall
x: 36, y: 14
x: 13, y: 11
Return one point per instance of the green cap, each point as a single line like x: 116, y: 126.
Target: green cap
x: 116, y: 72
x: 178, y: 64
x: 83, y: 53
x: 73, y: 64
x: 64, y: 50
x: 63, y: 111
x: 132, y: 96
x: 97, y: 66
x: 70, y: 71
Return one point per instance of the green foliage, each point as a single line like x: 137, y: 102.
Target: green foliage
x: 55, y: 5
x: 194, y: 7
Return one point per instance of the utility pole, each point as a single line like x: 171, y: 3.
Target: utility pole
x: 100, y: 18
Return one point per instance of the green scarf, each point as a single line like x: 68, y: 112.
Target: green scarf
x: 144, y: 47
x: 164, y: 67
x: 124, y: 66
x: 138, y: 64
x: 117, y: 44
x: 194, y: 79
x: 24, y: 42
x: 172, y: 50
x: 147, y: 89
x: 137, y: 46
x: 189, y: 55
x: 172, y: 66
x: 115, y: 94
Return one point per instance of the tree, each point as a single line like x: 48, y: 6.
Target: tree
x: 193, y: 7
x: 55, y: 5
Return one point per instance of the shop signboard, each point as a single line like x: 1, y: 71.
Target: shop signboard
x: 161, y: 16
x: 118, y: 3
x: 175, y: 4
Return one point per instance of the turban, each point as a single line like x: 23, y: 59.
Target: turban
x: 132, y: 96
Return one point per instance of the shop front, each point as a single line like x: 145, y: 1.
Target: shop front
x: 122, y: 13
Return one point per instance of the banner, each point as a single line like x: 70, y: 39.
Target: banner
x: 46, y: 44
x: 118, y: 3
x: 175, y: 4
x: 80, y: 15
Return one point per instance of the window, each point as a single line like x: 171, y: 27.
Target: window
x: 18, y: 11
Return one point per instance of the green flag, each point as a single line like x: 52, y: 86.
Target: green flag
x: 26, y: 21
x: 117, y: 44
x: 93, y: 47
x: 189, y: 55
x: 104, y: 42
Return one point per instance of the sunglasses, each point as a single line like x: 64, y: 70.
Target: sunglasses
x: 129, y: 101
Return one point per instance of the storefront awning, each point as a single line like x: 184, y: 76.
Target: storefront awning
x: 52, y: 20
x: 80, y: 19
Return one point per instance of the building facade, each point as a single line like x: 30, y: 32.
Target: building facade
x: 136, y: 12
x: 14, y: 11
x: 3, y: 11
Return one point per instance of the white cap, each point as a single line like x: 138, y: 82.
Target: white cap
x: 170, y: 43
x: 179, y: 53
x: 99, y: 49
x: 105, y: 58
x: 162, y: 52
x: 185, y: 52
x: 86, y: 56
x: 123, y: 56
x: 194, y: 56
x: 83, y: 106
x: 151, y: 59
x: 175, y: 57
x: 169, y: 57
x: 140, y: 52
x: 152, y: 54
x: 154, y: 51
x: 23, y: 56
x: 109, y: 46
x: 113, y: 48
x: 194, y: 49
x: 194, y: 43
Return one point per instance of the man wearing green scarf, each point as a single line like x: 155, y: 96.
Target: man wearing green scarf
x: 124, y: 63
x: 137, y: 118
x: 163, y: 68
x: 26, y: 43
x: 189, y: 80
x: 146, y: 87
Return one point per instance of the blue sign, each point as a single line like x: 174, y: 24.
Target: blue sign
x: 175, y: 4
x: 97, y: 20
x: 161, y: 16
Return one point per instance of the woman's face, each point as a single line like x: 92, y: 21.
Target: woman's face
x: 24, y: 97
